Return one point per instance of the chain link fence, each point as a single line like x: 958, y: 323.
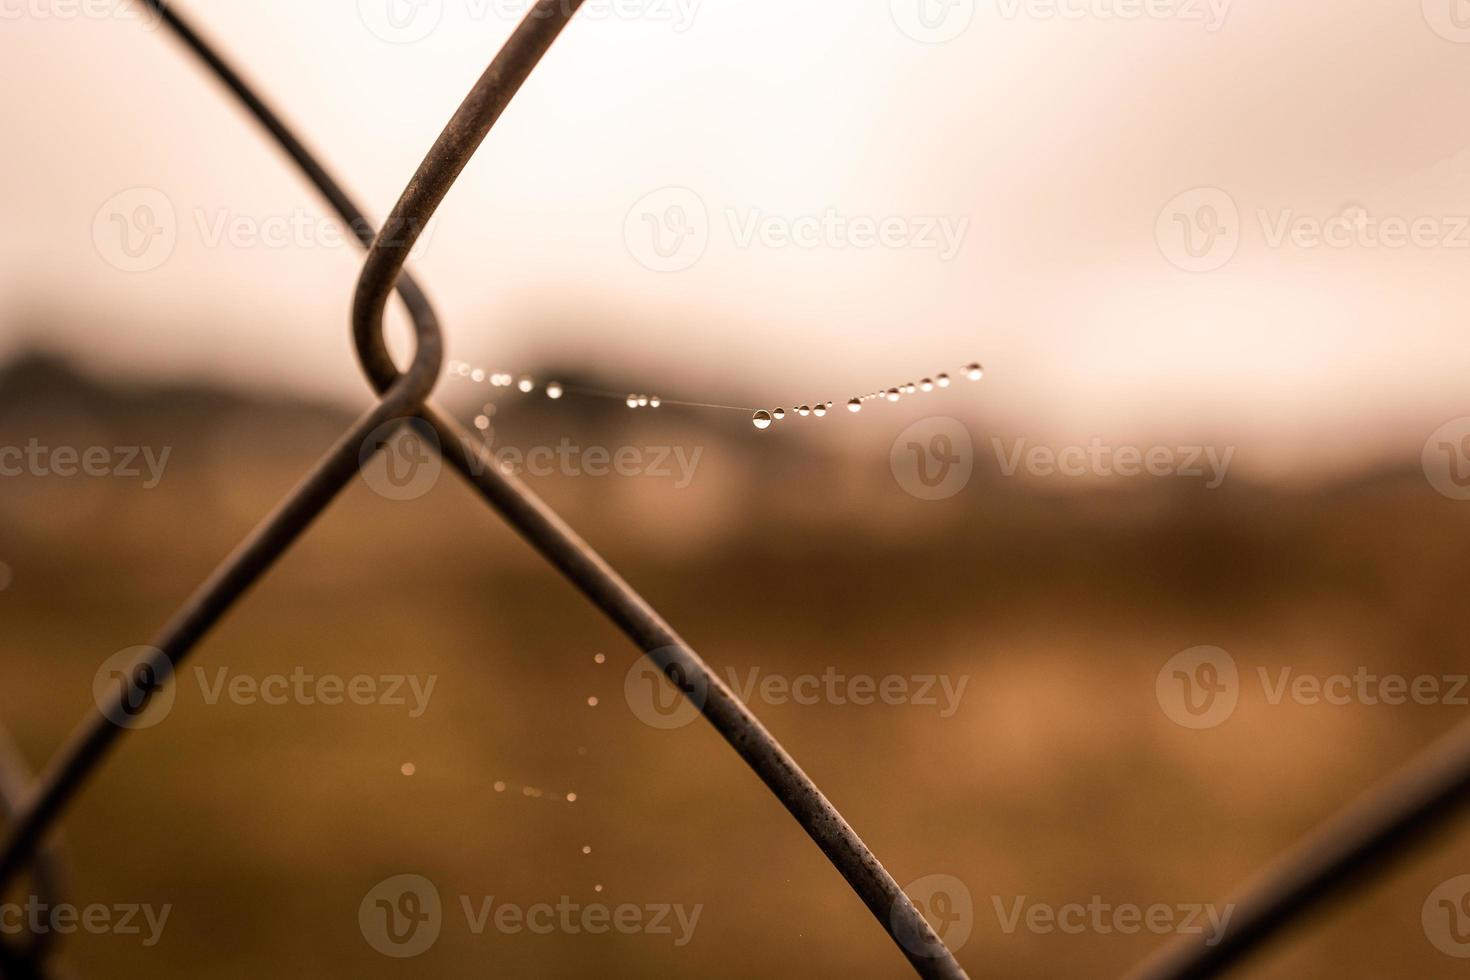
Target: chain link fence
x: 1364, y: 840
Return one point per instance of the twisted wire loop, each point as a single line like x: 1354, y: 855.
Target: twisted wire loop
x: 48, y: 877
x: 403, y: 396
x: 1360, y: 842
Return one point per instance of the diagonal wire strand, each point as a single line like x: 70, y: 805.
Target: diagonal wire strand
x: 49, y: 878
x: 1362, y: 841
x: 537, y: 522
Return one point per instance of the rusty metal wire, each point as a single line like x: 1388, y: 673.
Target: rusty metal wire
x: 403, y: 395
x: 48, y: 877
x: 1362, y: 841
x: 1365, y: 839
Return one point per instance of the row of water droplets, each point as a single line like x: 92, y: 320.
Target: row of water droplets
x: 760, y: 418
x: 765, y: 419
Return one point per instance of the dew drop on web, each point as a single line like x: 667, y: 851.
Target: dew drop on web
x: 762, y: 419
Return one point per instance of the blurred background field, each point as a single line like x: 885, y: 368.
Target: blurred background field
x: 1058, y: 779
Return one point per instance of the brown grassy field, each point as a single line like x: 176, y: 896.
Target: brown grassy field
x: 1058, y: 777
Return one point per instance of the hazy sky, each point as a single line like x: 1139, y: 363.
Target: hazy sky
x: 1023, y: 178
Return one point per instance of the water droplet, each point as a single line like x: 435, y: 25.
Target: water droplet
x: 926, y: 385
x: 943, y: 381
x: 490, y: 408
x: 482, y: 422
x: 597, y: 888
x: 642, y: 401
x: 820, y: 411
x: 600, y: 659
x: 893, y: 394
x: 408, y: 769
x: 655, y: 401
x: 592, y: 701
x: 586, y: 849
x: 910, y: 388
x: 974, y: 372
x: 779, y: 414
x: 762, y: 419
x: 477, y: 375
x: 526, y: 385
x: 632, y: 401
x: 856, y: 405
x: 499, y: 786
x: 571, y: 797
x: 554, y: 390
x: 803, y: 410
